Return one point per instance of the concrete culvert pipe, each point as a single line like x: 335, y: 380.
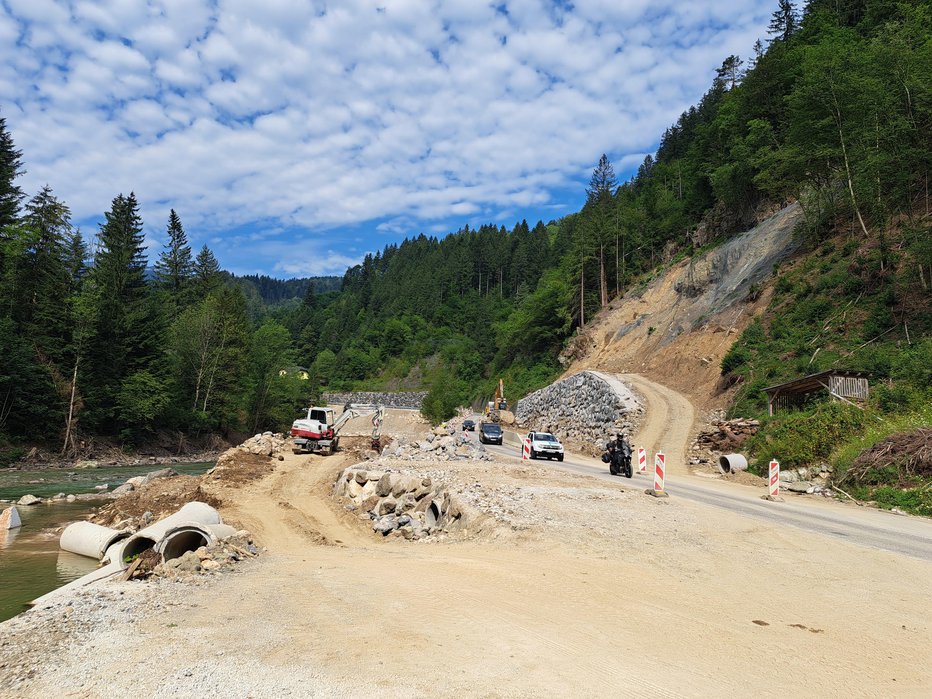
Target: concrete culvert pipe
x: 89, y: 539
x: 732, y: 463
x: 134, y: 546
x: 432, y: 514
x: 183, y: 539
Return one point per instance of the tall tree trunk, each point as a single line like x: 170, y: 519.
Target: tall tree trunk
x: 617, y: 280
x: 844, y: 153
x: 582, y: 294
x: 74, y: 384
x: 603, y: 285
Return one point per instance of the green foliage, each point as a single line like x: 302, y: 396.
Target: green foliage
x: 806, y: 437
x: 445, y: 394
x: 142, y: 399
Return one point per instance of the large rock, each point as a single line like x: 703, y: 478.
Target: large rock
x: 384, y: 488
x: 9, y: 519
x: 29, y: 500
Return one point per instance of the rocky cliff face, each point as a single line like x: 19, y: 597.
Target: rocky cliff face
x: 582, y: 411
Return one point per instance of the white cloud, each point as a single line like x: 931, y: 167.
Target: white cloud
x: 320, y: 116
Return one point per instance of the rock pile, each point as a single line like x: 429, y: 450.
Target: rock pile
x: 727, y: 436
x: 582, y: 411
x: 443, y: 444
x: 400, y: 399
x: 401, y: 504
x: 265, y: 444
x: 217, y: 557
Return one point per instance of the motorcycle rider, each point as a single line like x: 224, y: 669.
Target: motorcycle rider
x: 619, y: 454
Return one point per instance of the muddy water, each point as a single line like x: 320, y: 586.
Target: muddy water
x: 31, y: 563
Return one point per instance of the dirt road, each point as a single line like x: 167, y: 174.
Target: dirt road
x: 583, y: 587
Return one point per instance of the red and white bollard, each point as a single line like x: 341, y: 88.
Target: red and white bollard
x: 526, y: 449
x: 774, y: 493
x: 642, y: 460
x: 660, y: 467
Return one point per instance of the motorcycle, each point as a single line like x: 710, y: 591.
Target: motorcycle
x: 618, y: 459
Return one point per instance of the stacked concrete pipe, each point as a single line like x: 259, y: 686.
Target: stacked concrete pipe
x: 194, y: 525
x: 188, y: 526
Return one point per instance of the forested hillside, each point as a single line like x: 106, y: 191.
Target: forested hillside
x: 833, y: 109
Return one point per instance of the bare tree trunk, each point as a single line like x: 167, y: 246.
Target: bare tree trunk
x: 603, y: 284
x: 582, y: 295
x: 844, y: 152
x: 617, y: 280
x: 74, y: 384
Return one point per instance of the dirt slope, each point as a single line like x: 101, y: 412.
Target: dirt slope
x: 677, y: 329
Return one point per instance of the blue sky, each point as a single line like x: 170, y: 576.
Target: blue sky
x: 292, y: 137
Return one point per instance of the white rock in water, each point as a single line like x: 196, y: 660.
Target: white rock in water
x: 29, y: 500
x: 9, y: 519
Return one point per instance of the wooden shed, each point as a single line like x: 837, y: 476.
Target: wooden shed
x: 848, y: 386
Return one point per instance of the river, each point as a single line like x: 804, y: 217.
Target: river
x: 31, y: 563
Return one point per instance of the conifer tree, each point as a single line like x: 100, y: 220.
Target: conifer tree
x: 11, y: 196
x: 174, y: 267
x: 207, y: 277
x: 783, y: 21
x: 125, y: 336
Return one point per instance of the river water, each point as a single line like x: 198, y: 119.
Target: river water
x: 31, y: 563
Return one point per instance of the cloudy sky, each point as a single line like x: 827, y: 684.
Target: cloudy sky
x: 294, y: 136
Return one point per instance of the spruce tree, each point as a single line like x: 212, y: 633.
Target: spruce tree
x: 207, y: 277
x: 125, y: 336
x: 783, y: 21
x: 11, y: 196
x: 45, y: 281
x: 174, y: 268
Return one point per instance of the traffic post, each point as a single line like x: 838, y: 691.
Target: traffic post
x: 773, y: 493
x: 660, y: 467
x: 526, y: 450
x: 642, y: 460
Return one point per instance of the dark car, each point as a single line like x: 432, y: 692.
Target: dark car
x: 490, y: 433
x: 469, y: 425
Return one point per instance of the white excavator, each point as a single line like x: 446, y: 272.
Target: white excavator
x: 319, y: 433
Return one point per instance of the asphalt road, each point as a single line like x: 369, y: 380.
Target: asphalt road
x: 878, y: 529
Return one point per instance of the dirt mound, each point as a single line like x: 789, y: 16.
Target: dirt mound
x: 899, y: 459
x: 161, y: 497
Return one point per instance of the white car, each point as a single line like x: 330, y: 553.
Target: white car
x: 545, y: 445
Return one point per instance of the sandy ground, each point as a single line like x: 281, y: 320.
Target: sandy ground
x: 581, y: 587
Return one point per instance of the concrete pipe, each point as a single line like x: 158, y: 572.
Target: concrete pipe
x: 432, y: 514
x: 183, y: 538
x: 193, y: 513
x: 732, y: 463
x: 89, y: 539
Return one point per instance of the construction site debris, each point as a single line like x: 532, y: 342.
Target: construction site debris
x: 727, y: 436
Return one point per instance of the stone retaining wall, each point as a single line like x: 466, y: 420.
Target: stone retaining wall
x: 400, y: 399
x: 583, y: 411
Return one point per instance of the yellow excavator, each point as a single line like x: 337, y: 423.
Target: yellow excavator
x: 496, y: 405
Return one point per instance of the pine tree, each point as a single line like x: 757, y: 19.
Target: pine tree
x: 125, y: 336
x: 45, y: 281
x: 599, y: 200
x: 784, y: 21
x: 207, y: 277
x: 174, y: 268
x: 731, y: 71
x: 11, y: 196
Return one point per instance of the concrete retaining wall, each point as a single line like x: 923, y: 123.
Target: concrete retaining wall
x: 402, y: 399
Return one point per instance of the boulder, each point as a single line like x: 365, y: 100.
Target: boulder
x: 387, y: 506
x: 124, y: 489
x: 799, y: 487
x: 9, y: 519
x: 87, y: 463
x: 370, y: 503
x: 29, y: 500
x: 362, y: 477
x: 161, y: 473
x: 384, y: 488
x: 385, y: 525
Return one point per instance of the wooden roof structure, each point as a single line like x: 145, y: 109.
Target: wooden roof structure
x: 841, y: 384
